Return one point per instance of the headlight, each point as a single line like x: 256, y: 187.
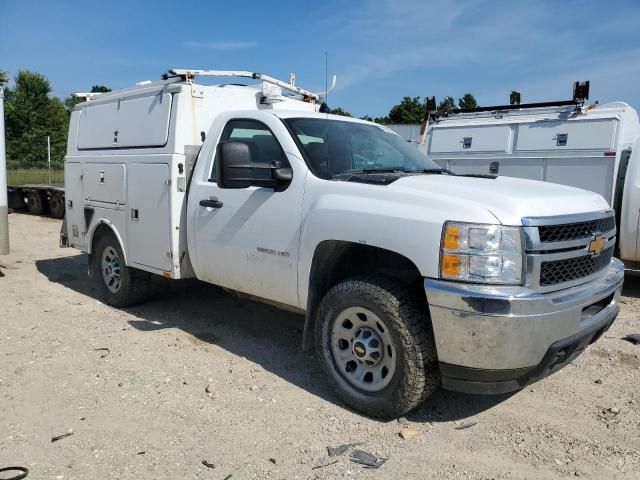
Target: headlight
x: 481, y: 253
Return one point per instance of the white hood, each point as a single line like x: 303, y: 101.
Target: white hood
x: 508, y: 199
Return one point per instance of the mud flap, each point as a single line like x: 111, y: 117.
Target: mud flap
x: 64, y: 237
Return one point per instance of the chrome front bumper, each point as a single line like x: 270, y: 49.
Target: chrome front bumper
x: 493, y: 339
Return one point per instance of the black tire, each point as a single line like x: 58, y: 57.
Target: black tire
x: 134, y: 284
x: 416, y: 374
x: 16, y: 200
x: 35, y: 202
x: 56, y: 205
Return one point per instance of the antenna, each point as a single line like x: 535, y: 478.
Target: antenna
x: 326, y: 78
x: 324, y: 107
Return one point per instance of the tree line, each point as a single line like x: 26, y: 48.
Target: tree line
x: 411, y: 110
x: 32, y: 113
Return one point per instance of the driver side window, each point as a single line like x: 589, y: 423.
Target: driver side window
x: 264, y: 146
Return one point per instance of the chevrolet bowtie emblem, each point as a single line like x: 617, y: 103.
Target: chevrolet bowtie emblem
x: 596, y: 246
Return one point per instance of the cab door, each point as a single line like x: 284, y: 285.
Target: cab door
x: 247, y: 239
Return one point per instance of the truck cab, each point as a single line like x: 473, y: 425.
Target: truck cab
x: 409, y: 277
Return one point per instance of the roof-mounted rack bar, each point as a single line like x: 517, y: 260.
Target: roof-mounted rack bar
x: 496, y: 108
x: 580, y: 95
x: 189, y: 75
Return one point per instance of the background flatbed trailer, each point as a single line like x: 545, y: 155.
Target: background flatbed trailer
x: 38, y: 198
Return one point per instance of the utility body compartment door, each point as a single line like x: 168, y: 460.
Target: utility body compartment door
x: 469, y: 139
x: 589, y: 173
x: 567, y: 135
x: 125, y: 123
x: 149, y: 240
x: 104, y: 182
x: 74, y: 207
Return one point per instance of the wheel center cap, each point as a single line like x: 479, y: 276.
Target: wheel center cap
x: 359, y: 349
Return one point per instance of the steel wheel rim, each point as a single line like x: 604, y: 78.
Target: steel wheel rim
x: 111, y: 269
x: 363, y: 349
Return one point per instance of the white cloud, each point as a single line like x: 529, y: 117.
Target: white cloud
x: 445, y: 47
x: 221, y: 44
x: 610, y: 76
x: 392, y: 36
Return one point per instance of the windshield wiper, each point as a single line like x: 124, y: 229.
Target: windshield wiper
x: 436, y: 170
x: 395, y: 170
x: 449, y: 172
x: 384, y: 170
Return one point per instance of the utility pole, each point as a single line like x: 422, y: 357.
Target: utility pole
x: 4, y: 206
x: 49, y: 156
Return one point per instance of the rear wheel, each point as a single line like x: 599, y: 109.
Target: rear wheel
x: 35, y: 202
x: 376, y: 345
x: 56, y: 205
x: 120, y: 286
x: 16, y: 199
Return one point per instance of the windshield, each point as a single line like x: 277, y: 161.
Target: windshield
x: 335, y: 148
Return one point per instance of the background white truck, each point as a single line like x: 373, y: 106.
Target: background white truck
x: 409, y: 277
x: 594, y: 147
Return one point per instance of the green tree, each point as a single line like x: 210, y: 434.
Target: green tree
x: 382, y: 120
x: 447, y: 104
x: 100, y: 89
x: 31, y: 116
x: 4, y: 78
x: 409, y: 110
x: 340, y: 111
x: 367, y: 118
x: 71, y: 101
x: 467, y: 101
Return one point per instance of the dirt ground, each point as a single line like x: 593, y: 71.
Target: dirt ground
x: 140, y: 410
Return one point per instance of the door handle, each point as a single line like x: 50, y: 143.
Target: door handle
x: 212, y: 202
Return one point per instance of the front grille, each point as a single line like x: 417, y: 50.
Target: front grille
x: 559, y: 271
x: 575, y: 231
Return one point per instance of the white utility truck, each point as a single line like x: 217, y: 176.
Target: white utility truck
x: 594, y: 147
x: 409, y: 277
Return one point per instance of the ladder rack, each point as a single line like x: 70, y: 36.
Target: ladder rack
x: 189, y: 74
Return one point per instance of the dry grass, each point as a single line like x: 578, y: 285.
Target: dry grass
x: 22, y: 177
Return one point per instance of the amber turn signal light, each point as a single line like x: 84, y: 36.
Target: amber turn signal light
x: 451, y: 238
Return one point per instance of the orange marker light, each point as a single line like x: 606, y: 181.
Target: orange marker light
x: 452, y: 238
x: 451, y: 265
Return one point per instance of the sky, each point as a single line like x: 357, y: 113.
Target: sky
x: 380, y: 50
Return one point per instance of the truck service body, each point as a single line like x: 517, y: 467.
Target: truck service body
x: 409, y: 277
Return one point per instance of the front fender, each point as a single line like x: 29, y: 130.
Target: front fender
x: 377, y: 216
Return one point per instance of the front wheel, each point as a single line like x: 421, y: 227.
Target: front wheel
x: 120, y: 286
x: 376, y: 345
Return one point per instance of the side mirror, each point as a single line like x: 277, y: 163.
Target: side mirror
x: 233, y: 165
x: 236, y: 168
